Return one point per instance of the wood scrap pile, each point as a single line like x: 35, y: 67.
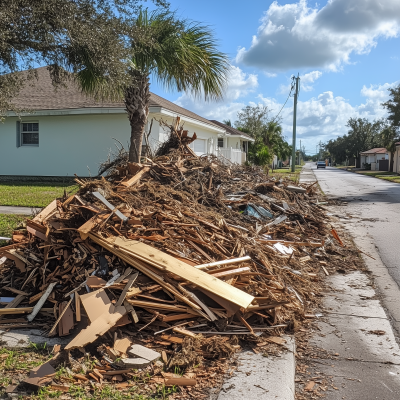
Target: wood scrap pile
x: 181, y: 258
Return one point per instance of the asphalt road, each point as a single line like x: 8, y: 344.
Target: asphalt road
x: 373, y: 204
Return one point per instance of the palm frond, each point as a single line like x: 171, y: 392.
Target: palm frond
x: 181, y: 54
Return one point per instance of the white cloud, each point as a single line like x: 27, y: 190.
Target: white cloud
x: 377, y: 92
x: 325, y: 116
x: 239, y: 85
x: 301, y: 36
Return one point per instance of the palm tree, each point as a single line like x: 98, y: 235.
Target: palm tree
x: 179, y: 54
x: 388, y: 137
x: 272, y: 133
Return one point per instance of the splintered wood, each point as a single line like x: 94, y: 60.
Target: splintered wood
x: 158, y: 252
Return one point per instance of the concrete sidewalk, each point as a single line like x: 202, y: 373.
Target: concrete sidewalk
x: 262, y: 378
x: 18, y: 210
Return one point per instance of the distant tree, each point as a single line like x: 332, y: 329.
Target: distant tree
x: 271, y: 133
x: 179, y: 54
x: 393, y: 107
x: 389, y: 137
x: 66, y: 35
x: 361, y: 136
x: 227, y: 122
x: 254, y: 119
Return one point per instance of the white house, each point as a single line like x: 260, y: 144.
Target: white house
x: 396, y: 159
x: 379, y: 159
x: 233, y: 144
x: 68, y: 133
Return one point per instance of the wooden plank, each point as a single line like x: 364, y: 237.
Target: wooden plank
x: 16, y: 291
x: 127, y: 287
x: 136, y: 178
x: 40, y: 303
x: 170, y: 264
x: 14, y: 303
x: 37, y: 233
x: 224, y: 262
x: 129, y: 308
x: 146, y: 269
x: 231, y: 272
x: 162, y: 306
x: 176, y: 317
x: 45, y: 213
x: 77, y: 307
x: 88, y: 226
x: 59, y: 318
x: 22, y: 310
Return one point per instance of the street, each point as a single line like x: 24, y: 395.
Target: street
x: 373, y: 204
x: 358, y: 303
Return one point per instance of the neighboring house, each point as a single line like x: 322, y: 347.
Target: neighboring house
x: 232, y: 143
x: 396, y: 161
x: 69, y: 133
x: 379, y: 159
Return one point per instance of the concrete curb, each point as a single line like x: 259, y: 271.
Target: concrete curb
x: 18, y: 210
x: 261, y: 378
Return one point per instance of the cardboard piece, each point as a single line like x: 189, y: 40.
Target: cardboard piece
x: 96, y: 304
x: 67, y: 320
x: 37, y: 375
x: 97, y: 328
x: 95, y: 281
x: 122, y: 345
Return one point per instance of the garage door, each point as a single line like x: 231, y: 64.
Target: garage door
x: 199, y: 146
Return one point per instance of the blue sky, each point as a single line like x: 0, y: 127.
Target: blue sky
x: 347, y: 53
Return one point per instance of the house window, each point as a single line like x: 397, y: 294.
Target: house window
x: 220, y: 142
x: 29, y: 133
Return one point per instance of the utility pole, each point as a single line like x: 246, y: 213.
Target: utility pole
x: 300, y: 154
x: 296, y: 93
x: 319, y: 156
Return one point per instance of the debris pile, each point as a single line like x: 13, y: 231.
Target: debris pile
x: 174, y: 263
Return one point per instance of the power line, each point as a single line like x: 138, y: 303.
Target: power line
x: 291, y: 89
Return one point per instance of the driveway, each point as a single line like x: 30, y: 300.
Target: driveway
x: 373, y: 204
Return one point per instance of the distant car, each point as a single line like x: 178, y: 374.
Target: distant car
x: 321, y: 164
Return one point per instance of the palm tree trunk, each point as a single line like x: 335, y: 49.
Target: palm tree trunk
x: 137, y: 98
x: 391, y: 161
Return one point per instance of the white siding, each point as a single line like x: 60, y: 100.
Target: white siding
x: 75, y: 144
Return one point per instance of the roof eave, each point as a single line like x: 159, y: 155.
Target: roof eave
x: 174, y: 114
x: 225, y: 134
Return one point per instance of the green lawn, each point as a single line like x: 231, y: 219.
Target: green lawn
x: 375, y: 173
x: 31, y: 194
x: 8, y: 222
x: 287, y: 173
x: 385, y: 175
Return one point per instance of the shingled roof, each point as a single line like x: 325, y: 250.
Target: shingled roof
x: 376, y: 150
x: 230, y: 130
x: 40, y: 94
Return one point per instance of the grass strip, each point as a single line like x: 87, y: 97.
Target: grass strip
x: 8, y: 222
x: 33, y: 194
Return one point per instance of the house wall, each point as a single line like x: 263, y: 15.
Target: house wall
x: 75, y: 144
x: 396, y: 162
x: 68, y: 144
